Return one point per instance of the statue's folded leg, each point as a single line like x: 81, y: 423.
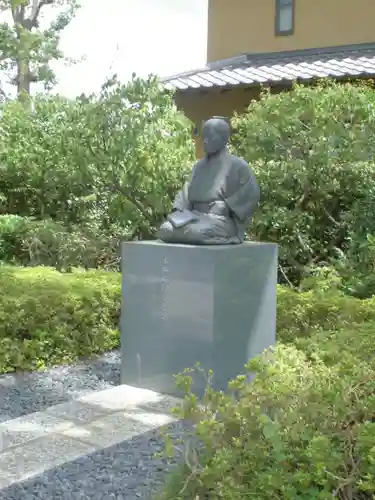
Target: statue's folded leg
x: 166, y: 232
x: 205, y: 231
x: 169, y: 234
x: 209, y: 230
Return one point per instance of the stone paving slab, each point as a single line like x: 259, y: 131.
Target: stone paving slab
x: 122, y: 397
x: 34, y: 457
x: 76, y: 411
x: 23, y: 429
x: 116, y: 428
x: 35, y: 443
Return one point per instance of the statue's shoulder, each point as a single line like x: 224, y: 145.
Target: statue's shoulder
x: 197, y: 165
x: 238, y: 163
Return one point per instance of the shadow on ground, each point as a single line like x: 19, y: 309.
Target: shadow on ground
x: 128, y: 470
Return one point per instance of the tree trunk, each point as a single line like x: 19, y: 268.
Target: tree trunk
x: 22, y: 22
x: 23, y: 79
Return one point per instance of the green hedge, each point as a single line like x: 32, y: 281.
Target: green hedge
x: 300, y: 314
x: 48, y: 318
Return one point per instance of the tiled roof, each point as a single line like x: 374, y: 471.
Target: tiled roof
x: 277, y: 67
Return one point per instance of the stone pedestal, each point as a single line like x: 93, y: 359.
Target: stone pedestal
x: 185, y: 304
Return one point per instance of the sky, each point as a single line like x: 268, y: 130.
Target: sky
x: 124, y: 36
x: 161, y: 37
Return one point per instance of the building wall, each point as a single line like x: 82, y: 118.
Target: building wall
x: 238, y: 26
x: 199, y: 106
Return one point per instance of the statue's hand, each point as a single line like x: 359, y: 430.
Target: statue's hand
x: 219, y: 208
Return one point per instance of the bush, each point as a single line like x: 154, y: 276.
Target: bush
x: 28, y: 242
x: 300, y: 314
x: 54, y: 318
x: 113, y: 160
x: 303, y: 429
x: 312, y: 150
x: 49, y: 318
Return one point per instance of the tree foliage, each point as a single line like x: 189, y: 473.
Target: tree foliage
x: 313, y: 152
x: 26, y: 47
x: 109, y: 163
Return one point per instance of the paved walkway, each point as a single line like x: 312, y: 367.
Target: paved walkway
x: 35, y: 443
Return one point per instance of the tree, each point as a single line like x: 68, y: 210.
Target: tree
x: 112, y: 161
x: 27, y: 49
x: 313, y: 152
x: 142, y: 148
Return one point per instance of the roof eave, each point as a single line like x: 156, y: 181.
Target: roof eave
x: 270, y: 84
x: 280, y: 68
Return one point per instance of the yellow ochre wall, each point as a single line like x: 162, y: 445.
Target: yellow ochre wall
x: 238, y: 26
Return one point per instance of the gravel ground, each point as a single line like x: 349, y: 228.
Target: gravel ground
x: 125, y: 471
x: 24, y: 393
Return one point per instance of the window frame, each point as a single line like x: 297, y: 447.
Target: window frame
x: 279, y: 4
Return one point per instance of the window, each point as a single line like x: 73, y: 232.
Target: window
x: 284, y: 17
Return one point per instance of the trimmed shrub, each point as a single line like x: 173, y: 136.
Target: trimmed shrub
x: 300, y: 314
x: 49, y: 318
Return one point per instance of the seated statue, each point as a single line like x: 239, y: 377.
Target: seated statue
x: 216, y: 205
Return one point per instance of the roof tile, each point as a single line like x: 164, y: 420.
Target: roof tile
x: 252, y: 69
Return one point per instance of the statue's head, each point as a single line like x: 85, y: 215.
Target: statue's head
x: 216, y: 133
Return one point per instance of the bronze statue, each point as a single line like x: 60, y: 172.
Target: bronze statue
x: 216, y: 206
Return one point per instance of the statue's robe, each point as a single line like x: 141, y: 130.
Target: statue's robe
x: 216, y: 206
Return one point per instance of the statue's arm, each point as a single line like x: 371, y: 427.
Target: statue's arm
x: 181, y: 202
x: 243, y: 201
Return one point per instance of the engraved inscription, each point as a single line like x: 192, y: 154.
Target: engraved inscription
x: 164, y: 290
